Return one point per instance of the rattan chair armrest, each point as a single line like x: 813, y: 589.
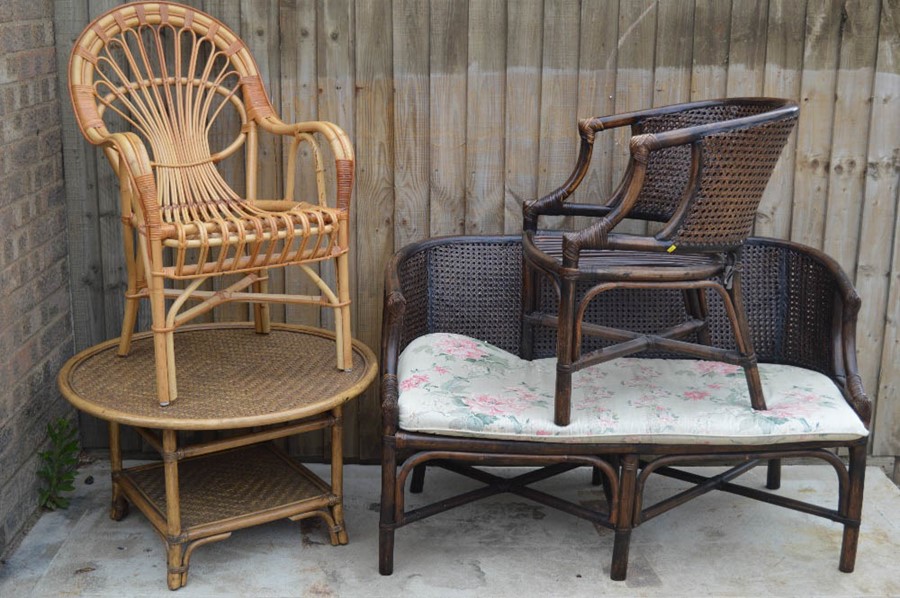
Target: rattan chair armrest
x: 846, y: 306
x: 134, y: 158
x: 337, y: 139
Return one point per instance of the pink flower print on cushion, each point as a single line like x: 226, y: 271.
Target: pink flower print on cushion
x: 494, y: 405
x: 414, y: 381
x: 441, y: 370
x: 696, y: 395
x: 788, y: 411
x: 715, y: 367
x: 463, y: 348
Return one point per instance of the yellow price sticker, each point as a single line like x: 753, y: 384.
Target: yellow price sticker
x: 671, y: 248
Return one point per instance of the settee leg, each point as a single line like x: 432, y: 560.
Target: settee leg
x: 773, y: 474
x: 624, y: 520
x: 853, y: 507
x: 418, y: 479
x: 388, y: 502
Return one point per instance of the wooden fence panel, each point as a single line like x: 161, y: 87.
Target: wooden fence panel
x: 461, y: 109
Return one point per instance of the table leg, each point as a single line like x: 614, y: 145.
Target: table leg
x: 337, y: 473
x: 176, y: 570
x: 119, y: 506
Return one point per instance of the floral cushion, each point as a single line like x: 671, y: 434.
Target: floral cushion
x: 454, y: 385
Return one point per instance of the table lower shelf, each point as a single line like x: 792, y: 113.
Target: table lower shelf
x: 228, y: 490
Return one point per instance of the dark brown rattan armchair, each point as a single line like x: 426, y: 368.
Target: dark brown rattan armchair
x: 699, y: 168
x: 150, y: 84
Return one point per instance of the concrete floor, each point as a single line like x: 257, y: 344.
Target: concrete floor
x: 717, y: 545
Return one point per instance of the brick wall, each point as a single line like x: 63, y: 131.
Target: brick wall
x: 35, y: 320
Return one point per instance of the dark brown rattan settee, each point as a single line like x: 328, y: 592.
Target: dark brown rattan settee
x: 802, y: 312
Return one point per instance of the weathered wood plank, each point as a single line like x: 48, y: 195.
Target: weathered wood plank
x: 747, y: 47
x: 887, y: 413
x: 596, y: 93
x: 233, y: 168
x: 673, y: 59
x: 634, y: 80
x: 846, y: 181
x: 559, y: 98
x: 783, y: 68
x: 411, y: 112
x: 486, y: 117
x: 879, y: 273
x: 817, y: 91
x: 375, y: 187
x: 674, y: 53
x: 260, y: 31
x: 80, y: 171
x: 712, y: 32
x: 299, y: 98
x: 336, y: 74
x: 524, y: 44
x: 447, y: 114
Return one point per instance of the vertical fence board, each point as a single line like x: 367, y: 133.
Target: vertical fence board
x: 80, y: 171
x: 817, y: 88
x: 712, y: 25
x: 747, y: 48
x: 299, y: 95
x: 674, y: 53
x: 233, y: 167
x: 634, y: 79
x: 375, y: 186
x: 559, y: 96
x: 336, y: 75
x: 846, y: 182
x: 597, y: 56
x: 447, y: 115
x: 880, y: 312
x: 486, y: 104
x: 783, y: 68
x: 411, y: 110
x: 260, y: 30
x: 524, y: 50
x: 887, y: 414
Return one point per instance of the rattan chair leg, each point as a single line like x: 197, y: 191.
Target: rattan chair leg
x: 128, y: 323
x: 744, y: 341
x: 565, y: 352
x: 773, y: 474
x: 853, y: 508
x: 174, y: 549
x: 417, y: 484
x: 337, y: 474
x: 624, y: 521
x: 164, y: 389
x: 261, y: 311
x: 695, y: 302
x: 530, y: 280
x: 388, y: 506
x: 118, y: 505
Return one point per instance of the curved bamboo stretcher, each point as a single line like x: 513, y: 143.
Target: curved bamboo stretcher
x: 149, y: 84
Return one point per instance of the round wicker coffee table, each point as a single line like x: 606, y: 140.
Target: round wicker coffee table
x: 267, y: 385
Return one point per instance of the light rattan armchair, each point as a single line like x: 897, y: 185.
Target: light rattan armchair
x: 148, y: 82
x: 698, y: 168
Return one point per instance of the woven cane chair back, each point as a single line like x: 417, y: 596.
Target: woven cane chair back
x: 168, y: 74
x: 737, y: 160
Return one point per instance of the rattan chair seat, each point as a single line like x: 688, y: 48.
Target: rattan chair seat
x: 545, y: 248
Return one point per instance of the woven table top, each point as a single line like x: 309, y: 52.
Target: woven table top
x: 228, y: 377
